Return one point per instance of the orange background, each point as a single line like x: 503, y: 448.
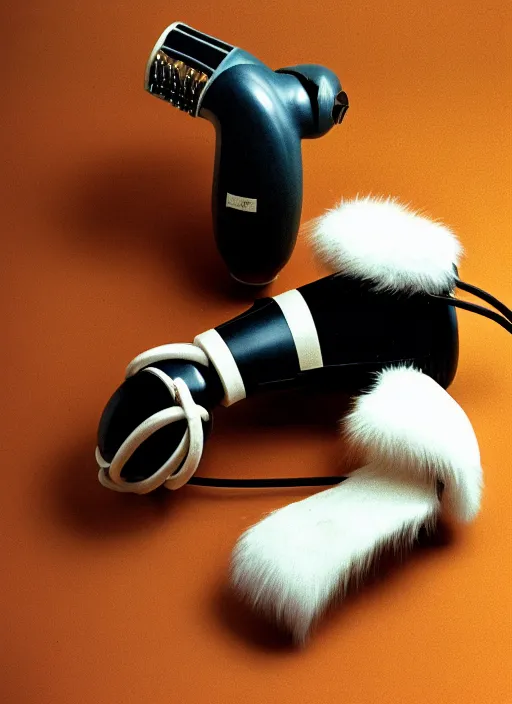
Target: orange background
x: 107, y: 250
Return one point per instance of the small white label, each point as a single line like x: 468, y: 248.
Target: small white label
x: 248, y: 205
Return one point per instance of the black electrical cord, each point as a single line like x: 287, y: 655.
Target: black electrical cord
x: 480, y: 310
x: 283, y: 482
x: 487, y: 297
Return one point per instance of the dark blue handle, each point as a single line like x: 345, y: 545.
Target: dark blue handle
x: 257, y: 184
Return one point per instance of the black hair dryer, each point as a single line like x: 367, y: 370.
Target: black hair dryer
x: 260, y: 117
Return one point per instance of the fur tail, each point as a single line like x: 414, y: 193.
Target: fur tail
x: 413, y: 435
x: 292, y: 563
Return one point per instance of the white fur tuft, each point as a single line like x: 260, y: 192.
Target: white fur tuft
x: 409, y: 422
x: 293, y: 562
x: 413, y: 435
x: 387, y: 244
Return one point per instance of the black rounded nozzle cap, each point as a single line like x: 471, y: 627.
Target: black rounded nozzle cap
x: 328, y: 100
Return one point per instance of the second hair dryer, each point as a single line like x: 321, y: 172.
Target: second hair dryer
x: 260, y: 117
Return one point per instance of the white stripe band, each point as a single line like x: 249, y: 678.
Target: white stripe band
x: 220, y: 356
x: 303, y: 328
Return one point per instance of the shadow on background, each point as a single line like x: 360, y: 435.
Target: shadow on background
x: 296, y: 410
x: 83, y: 505
x: 248, y: 625
x: 79, y: 502
x: 143, y: 202
x: 259, y: 427
x: 263, y: 633
x: 386, y: 568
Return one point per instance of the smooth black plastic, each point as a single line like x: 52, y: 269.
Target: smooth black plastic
x: 360, y: 333
x: 262, y: 346
x: 260, y: 118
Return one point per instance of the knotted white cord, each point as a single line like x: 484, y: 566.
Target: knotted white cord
x: 189, y: 450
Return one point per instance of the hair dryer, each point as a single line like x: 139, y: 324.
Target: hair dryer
x: 390, y: 302
x: 334, y: 333
x: 260, y: 117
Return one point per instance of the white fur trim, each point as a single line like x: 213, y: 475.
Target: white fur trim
x: 383, y: 242
x: 302, y: 327
x: 413, y: 434
x: 292, y: 563
x: 409, y: 422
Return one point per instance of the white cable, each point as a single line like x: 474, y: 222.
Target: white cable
x: 185, y: 351
x: 188, y: 454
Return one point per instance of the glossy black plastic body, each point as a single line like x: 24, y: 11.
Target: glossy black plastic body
x: 260, y: 117
x: 360, y: 333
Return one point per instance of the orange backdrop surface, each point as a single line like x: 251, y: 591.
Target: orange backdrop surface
x: 107, y: 250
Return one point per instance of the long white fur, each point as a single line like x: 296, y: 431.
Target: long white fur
x: 295, y: 560
x: 409, y: 423
x: 387, y: 244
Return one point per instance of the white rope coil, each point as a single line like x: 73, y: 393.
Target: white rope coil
x: 163, y: 353
x: 188, y: 454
